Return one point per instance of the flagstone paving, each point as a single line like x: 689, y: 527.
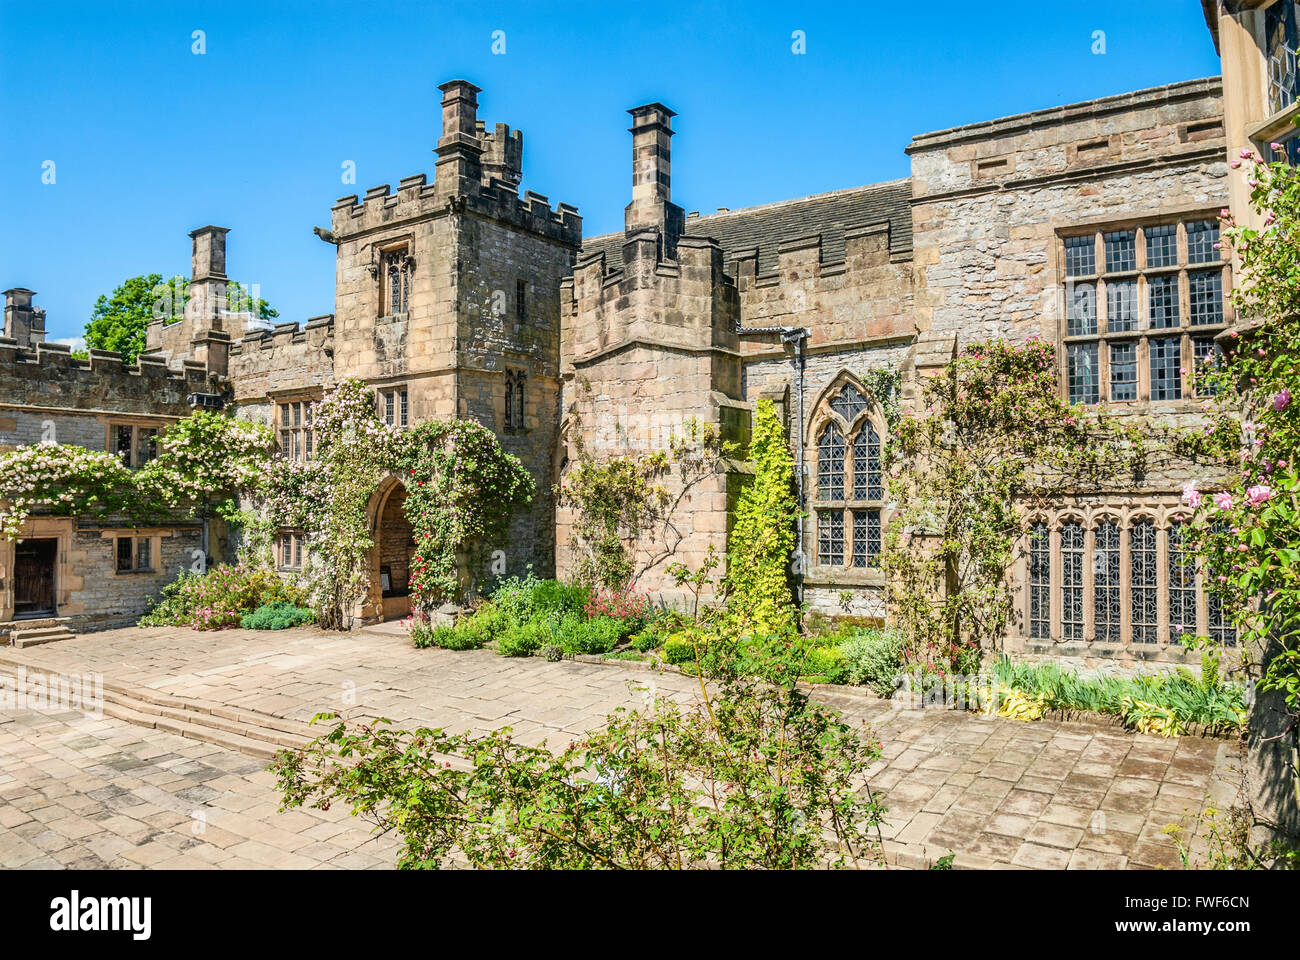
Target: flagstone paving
x: 95, y: 792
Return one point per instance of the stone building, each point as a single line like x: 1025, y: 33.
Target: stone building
x: 1092, y: 225
x: 79, y: 571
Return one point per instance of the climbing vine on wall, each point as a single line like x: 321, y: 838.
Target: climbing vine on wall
x: 994, y: 442
x: 462, y: 489
x: 206, y: 460
x: 621, y: 503
x: 762, y: 536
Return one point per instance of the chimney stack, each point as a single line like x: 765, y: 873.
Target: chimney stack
x: 651, y: 205
x: 23, y: 322
x: 207, y: 290
x: 459, y: 169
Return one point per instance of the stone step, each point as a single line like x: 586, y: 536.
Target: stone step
x: 153, y: 701
x: 246, y: 727
x: 40, y: 635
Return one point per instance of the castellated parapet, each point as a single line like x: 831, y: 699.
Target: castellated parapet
x: 50, y: 377
x: 289, y: 359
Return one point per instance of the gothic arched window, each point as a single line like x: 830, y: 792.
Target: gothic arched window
x: 1072, y: 580
x: 850, y: 484
x: 1143, y: 581
x: 1040, y: 581
x: 1106, y: 583
x: 1182, y: 581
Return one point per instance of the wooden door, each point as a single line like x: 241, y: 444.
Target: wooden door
x: 34, y: 577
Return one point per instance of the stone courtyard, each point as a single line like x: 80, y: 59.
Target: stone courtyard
x: 173, y: 773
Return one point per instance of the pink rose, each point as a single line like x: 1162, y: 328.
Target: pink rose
x: 1223, y: 500
x: 1191, y: 496
x: 1282, y: 400
x: 1260, y: 493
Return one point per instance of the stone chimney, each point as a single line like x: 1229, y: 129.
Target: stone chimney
x: 651, y: 206
x: 23, y: 322
x: 458, y: 171
x: 207, y: 291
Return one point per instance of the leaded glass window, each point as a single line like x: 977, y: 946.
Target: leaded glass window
x: 848, y: 403
x: 1144, y: 584
x: 1162, y: 302
x: 830, y: 537
x: 1166, y: 363
x: 1143, y: 294
x: 1083, y: 372
x: 1221, y: 629
x: 1080, y: 256
x: 1123, y: 371
x: 1206, y: 353
x: 1202, y: 235
x: 1072, y: 581
x: 1281, y: 40
x: 866, y: 538
x: 1106, y: 610
x: 830, y: 464
x: 1121, y: 251
x: 1121, y: 306
x: 1040, y: 581
x: 867, y: 479
x: 1205, y: 295
x: 1182, y: 581
x: 1162, y: 245
x: 1082, y: 319
x: 397, y: 279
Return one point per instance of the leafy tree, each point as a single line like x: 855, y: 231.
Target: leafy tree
x: 118, y: 321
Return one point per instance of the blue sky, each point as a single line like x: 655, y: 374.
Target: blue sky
x: 150, y: 140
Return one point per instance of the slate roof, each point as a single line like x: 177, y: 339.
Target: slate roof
x: 769, y: 225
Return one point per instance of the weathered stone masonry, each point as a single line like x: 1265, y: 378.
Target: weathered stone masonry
x: 462, y: 297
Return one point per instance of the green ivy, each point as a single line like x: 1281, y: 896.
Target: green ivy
x: 763, y: 533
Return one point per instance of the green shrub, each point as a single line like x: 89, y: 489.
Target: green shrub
x: 597, y: 635
x: 825, y: 665
x: 522, y: 640
x: 679, y: 648
x: 1154, y: 703
x: 553, y: 652
x: 662, y: 625
x: 873, y: 658
x: 279, y: 615
x: 220, y: 598
x: 528, y: 598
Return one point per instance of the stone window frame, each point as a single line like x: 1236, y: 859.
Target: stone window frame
x: 1085, y: 342
x: 294, y: 435
x: 112, y: 438
x: 515, y: 405
x: 1163, y: 516
x: 855, y: 514
x: 393, y: 404
x: 521, y: 300
x: 290, y: 544
x: 396, y: 273
x: 154, y: 544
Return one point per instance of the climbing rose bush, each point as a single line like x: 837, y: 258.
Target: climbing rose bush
x: 1249, y: 533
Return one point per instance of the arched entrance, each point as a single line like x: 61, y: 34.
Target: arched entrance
x: 390, y: 567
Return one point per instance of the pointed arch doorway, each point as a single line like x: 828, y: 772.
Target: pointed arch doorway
x: 390, y: 568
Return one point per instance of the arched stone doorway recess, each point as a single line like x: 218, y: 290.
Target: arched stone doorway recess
x: 388, y: 597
